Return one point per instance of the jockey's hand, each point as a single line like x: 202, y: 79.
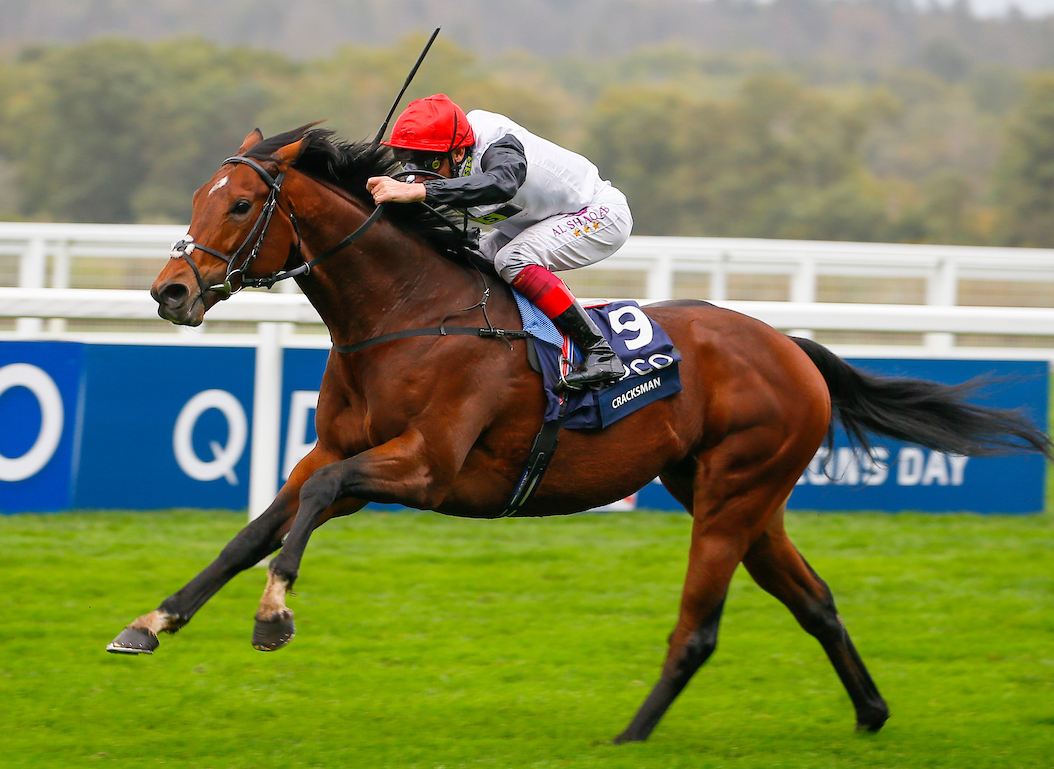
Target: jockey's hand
x: 385, y: 189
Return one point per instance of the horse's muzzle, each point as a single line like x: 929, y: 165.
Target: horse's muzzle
x: 177, y: 302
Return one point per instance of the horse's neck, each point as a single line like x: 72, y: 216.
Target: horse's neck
x: 386, y: 281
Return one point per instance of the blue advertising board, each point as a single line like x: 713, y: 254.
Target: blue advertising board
x: 900, y: 477
x: 301, y: 378
x: 154, y: 427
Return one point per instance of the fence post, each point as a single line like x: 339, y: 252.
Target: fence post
x: 942, y: 290
x: 659, y: 286
x: 60, y: 278
x: 32, y: 273
x: 267, y: 417
x: 719, y: 278
x: 803, y: 291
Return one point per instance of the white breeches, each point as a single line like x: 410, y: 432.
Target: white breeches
x: 565, y: 241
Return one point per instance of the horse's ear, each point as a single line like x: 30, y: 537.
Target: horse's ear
x: 250, y: 141
x: 290, y: 153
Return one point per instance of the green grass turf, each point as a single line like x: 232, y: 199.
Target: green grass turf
x: 432, y: 642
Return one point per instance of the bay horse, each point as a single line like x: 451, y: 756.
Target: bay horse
x: 446, y: 423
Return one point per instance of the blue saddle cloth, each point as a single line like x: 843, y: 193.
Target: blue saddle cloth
x: 646, y: 350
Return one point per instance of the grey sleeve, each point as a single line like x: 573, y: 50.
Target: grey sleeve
x: 503, y: 169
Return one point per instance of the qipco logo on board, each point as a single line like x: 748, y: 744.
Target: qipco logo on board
x: 221, y: 458
x: 52, y: 418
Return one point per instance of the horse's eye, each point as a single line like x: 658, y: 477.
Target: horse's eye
x: 241, y: 207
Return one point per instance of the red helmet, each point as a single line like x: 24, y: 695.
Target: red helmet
x: 432, y: 124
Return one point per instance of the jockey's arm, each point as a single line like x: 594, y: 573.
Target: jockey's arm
x: 502, y: 169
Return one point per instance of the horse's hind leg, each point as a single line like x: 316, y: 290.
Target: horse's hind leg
x: 733, y: 495
x: 777, y: 566
x: 712, y: 560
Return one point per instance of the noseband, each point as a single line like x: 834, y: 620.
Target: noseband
x: 182, y: 249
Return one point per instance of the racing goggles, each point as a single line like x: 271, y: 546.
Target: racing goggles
x: 416, y: 160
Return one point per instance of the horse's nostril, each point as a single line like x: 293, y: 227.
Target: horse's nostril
x: 173, y: 295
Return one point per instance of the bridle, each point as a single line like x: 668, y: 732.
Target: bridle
x: 182, y: 249
x: 253, y: 242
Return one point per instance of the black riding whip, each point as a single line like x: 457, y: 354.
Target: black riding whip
x: 421, y: 58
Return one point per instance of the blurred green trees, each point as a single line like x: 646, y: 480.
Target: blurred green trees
x: 775, y: 160
x: 703, y: 144
x: 1025, y: 174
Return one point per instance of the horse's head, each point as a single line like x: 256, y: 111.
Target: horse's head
x: 241, y: 230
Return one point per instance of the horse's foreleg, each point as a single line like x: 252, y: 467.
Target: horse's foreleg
x: 712, y: 561
x: 316, y: 504
x: 387, y: 471
x: 254, y: 542
x: 274, y: 626
x: 777, y: 566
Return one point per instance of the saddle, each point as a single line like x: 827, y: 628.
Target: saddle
x: 646, y: 351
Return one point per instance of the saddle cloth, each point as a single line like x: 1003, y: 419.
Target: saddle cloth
x: 645, y: 349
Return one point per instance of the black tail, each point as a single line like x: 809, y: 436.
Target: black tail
x: 933, y: 415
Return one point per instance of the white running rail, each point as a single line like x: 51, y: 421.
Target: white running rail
x: 45, y: 253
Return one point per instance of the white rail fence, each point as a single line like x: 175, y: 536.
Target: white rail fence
x: 60, y: 256
x: 260, y: 307
x: 38, y: 246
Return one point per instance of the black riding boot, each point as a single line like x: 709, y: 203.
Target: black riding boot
x: 599, y: 365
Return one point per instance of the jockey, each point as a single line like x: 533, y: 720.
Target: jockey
x: 548, y: 207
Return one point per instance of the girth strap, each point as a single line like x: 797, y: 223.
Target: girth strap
x: 537, y: 462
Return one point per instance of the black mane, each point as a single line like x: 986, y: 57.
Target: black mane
x: 348, y: 165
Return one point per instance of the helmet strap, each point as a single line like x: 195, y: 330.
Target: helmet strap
x: 453, y: 141
x: 456, y: 168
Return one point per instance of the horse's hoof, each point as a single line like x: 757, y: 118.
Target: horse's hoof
x: 133, y: 640
x: 272, y: 634
x: 873, y: 722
